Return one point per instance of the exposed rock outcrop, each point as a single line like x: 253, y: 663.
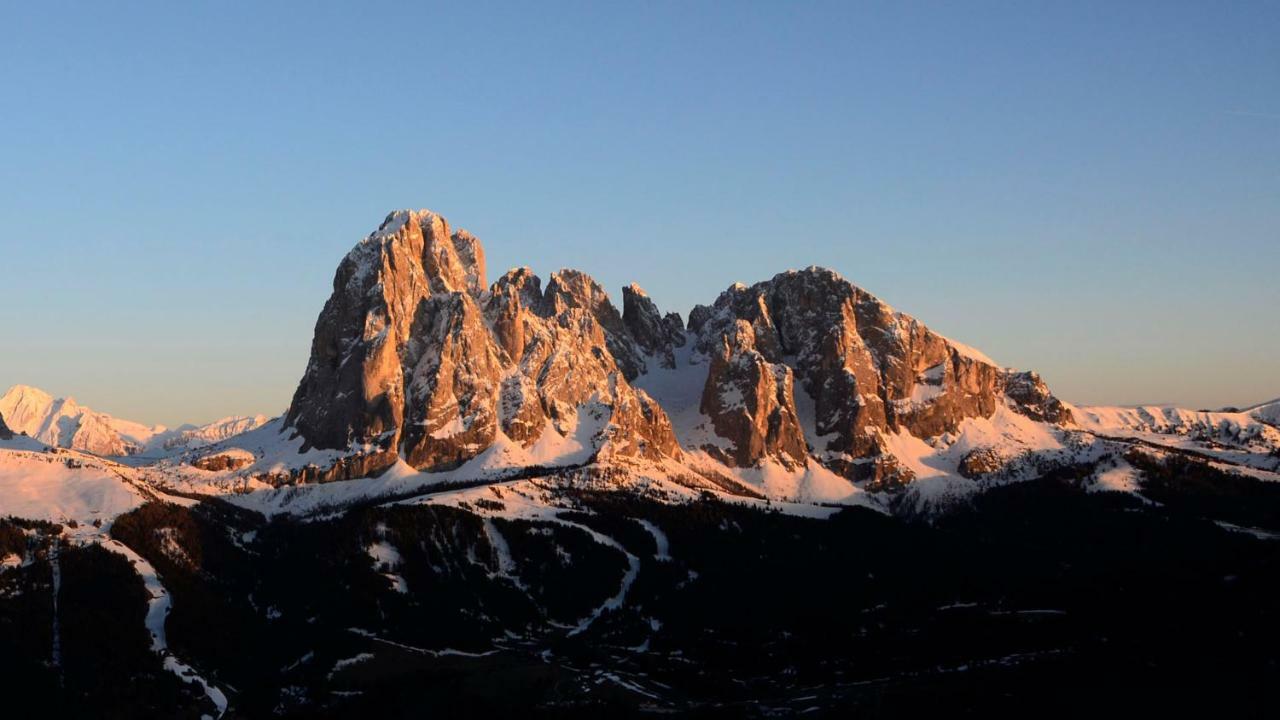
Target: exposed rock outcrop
x: 570, y: 290
x: 220, y: 461
x: 980, y: 462
x: 751, y: 403
x: 353, y: 391
x: 5, y: 432
x: 862, y: 366
x: 653, y: 333
x: 1032, y: 398
x: 415, y: 359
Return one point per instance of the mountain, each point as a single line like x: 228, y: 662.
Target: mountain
x: 62, y: 422
x: 867, y: 371
x: 417, y: 359
x: 801, y: 388
x: 195, y: 436
x: 55, y: 485
x: 514, y: 498
x: 1268, y: 412
x: 1243, y: 437
x: 797, y: 387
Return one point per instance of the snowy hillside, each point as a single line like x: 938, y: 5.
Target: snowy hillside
x: 61, y: 486
x: 1243, y: 437
x: 189, y: 437
x: 1266, y: 412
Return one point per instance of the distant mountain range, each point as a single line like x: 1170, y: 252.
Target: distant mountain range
x: 62, y: 422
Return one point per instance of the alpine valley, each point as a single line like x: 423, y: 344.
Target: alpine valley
x: 520, y: 496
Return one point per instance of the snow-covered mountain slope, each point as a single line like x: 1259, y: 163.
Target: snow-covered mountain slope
x: 43, y: 483
x: 1240, y: 437
x: 1268, y: 412
x: 64, y: 423
x: 190, y: 437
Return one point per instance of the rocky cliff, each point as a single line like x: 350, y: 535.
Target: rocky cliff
x: 416, y: 358
x: 864, y: 369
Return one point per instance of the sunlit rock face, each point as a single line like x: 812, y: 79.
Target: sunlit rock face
x: 417, y: 358
x: 864, y: 369
x: 981, y: 462
x: 413, y: 355
x: 353, y: 390
x: 653, y: 333
x: 1033, y: 399
x: 751, y: 402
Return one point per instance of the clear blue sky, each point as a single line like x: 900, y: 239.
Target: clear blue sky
x: 1091, y: 190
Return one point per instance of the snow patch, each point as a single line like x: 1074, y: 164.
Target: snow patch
x: 157, y: 612
x: 663, y: 553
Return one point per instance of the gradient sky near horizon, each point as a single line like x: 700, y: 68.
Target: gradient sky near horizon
x: 1088, y: 189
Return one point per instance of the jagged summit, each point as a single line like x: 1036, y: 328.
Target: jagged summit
x: 62, y: 422
x: 27, y: 396
x: 867, y: 371
x: 654, y: 333
x: 415, y: 359
x: 451, y: 260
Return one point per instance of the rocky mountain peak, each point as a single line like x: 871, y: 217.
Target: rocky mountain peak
x: 394, y: 280
x: 28, y: 393
x: 522, y: 284
x: 62, y: 422
x: 512, y: 299
x: 867, y: 368
x: 413, y: 359
x: 450, y: 261
x: 574, y: 290
x: 751, y: 402
x: 654, y: 334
